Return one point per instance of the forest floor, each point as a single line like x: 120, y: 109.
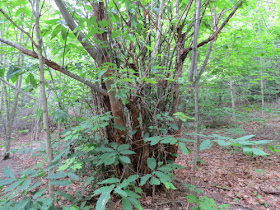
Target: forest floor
x: 227, y: 176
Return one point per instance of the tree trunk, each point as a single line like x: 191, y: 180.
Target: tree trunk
x: 232, y: 98
x: 196, y: 137
x: 262, y: 89
x: 44, y: 102
x: 10, y: 124
x: 1, y: 101
x: 192, y: 79
x: 261, y: 66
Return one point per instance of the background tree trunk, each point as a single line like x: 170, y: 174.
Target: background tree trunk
x: 10, y: 121
x: 192, y: 77
x: 232, y: 98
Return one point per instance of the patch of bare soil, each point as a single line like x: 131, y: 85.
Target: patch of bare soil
x: 18, y: 161
x: 231, y: 177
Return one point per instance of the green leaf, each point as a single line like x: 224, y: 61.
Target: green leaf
x: 65, y: 195
x: 206, y: 144
x: 255, y: 151
x: 61, y: 182
x: 223, y: 143
x: 9, y: 172
x: 169, y: 185
x: 60, y: 115
x: 73, y: 176
x: 123, y: 147
x: 92, y: 32
x: 13, y: 186
x: 132, y: 178
x: 174, y: 127
x: 154, y: 181
x: 116, y: 33
x: 64, y: 33
x: 165, y: 168
x: 24, y: 204
x: 259, y: 142
x: 182, y: 116
x: 55, y: 31
x: 2, y: 72
x: 52, y: 21
x: 39, y: 193
x: 32, y: 80
x: 132, y: 194
x: 169, y: 140
x: 6, y: 182
x: 12, y: 71
x: 103, y: 23
x: 110, y: 160
x: 152, y: 163
x: 127, y: 152
x: 59, y: 175
x: 162, y: 176
x: 124, y: 159
x: 135, y: 202
x: 126, y: 204
x: 120, y: 192
x: 104, y: 189
x: 192, y: 198
x: 103, y: 199
x: 154, y: 140
x: 33, y: 186
x: 144, y: 179
x: 26, y: 184
x: 110, y: 181
x: 184, y: 148
x: 273, y: 149
x: 244, y: 138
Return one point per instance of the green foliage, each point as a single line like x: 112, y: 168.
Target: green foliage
x: 60, y: 116
x: 13, y: 73
x: 202, y: 202
x: 122, y: 189
x: 249, y: 147
x: 244, y: 143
